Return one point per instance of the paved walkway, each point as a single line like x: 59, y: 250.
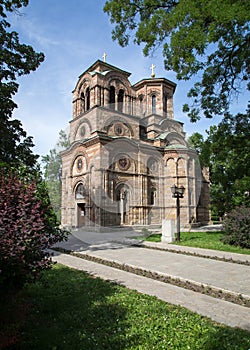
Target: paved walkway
x: 207, y: 253
x: 221, y: 275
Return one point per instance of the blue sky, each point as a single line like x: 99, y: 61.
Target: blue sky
x: 73, y: 35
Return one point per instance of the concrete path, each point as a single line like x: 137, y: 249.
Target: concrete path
x: 244, y: 258
x: 218, y: 274
x: 221, y: 275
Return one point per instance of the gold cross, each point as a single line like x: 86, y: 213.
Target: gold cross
x: 104, y: 57
x: 152, y: 69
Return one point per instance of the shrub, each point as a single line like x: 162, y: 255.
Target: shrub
x: 27, y: 230
x: 236, y: 227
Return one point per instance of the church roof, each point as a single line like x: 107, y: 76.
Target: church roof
x: 163, y: 135
x: 154, y: 80
x: 103, y: 68
x: 176, y: 146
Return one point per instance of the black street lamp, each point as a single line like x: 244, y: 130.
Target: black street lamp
x: 178, y: 192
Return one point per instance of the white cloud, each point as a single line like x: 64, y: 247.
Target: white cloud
x: 32, y: 29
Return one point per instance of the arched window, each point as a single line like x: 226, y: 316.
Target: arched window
x: 80, y: 192
x: 87, y: 99
x: 118, y: 195
x: 112, y: 97
x: 152, y: 197
x: 82, y: 102
x: 141, y: 105
x: 171, y: 168
x: 120, y: 100
x: 166, y: 104
x: 143, y: 132
x: 181, y: 167
x: 153, y: 104
x: 152, y: 166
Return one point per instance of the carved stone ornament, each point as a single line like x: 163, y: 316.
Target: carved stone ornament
x: 124, y: 163
x: 79, y: 164
x: 118, y: 129
x: 82, y: 131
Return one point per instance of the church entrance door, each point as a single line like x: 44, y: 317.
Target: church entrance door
x: 81, y: 217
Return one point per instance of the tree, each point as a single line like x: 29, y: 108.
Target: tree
x: 16, y: 59
x: 207, y: 37
x: 226, y: 152
x: 27, y: 221
x: 53, y: 172
x: 202, y: 148
x: 230, y: 162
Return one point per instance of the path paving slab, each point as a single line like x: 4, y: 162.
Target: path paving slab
x: 217, y: 274
x: 121, y: 247
x: 218, y: 310
x: 244, y: 258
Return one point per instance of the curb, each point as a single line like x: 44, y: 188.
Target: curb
x: 148, y: 245
x: 202, y: 288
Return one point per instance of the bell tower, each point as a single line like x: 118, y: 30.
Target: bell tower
x: 155, y: 96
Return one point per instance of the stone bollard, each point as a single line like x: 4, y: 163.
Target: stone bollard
x: 168, y: 231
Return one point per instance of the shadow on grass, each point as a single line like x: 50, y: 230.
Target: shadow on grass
x: 68, y: 309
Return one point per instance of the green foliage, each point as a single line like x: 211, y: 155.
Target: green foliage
x: 236, y: 227
x: 16, y: 59
x: 206, y: 37
x: 206, y: 240
x: 209, y: 240
x: 230, y: 163
x: 27, y: 221
x: 53, y: 172
x: 226, y: 152
x: 27, y: 229
x: 72, y: 310
x: 201, y: 147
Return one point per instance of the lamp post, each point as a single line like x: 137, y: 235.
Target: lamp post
x: 178, y: 192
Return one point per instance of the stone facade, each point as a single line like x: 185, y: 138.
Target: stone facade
x: 126, y: 151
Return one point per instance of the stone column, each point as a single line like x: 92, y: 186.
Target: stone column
x: 106, y: 97
x: 98, y: 96
x: 79, y: 105
x: 75, y: 108
x: 123, y: 195
x: 127, y: 104
x: 170, y: 109
x: 92, y: 97
x: 116, y: 102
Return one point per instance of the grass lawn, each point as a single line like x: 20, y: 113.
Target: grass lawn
x: 69, y: 309
x: 207, y: 240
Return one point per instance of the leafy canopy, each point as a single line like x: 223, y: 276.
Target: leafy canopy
x: 28, y: 224
x: 209, y: 37
x: 226, y: 153
x: 16, y: 59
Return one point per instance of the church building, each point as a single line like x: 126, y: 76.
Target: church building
x: 126, y: 152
